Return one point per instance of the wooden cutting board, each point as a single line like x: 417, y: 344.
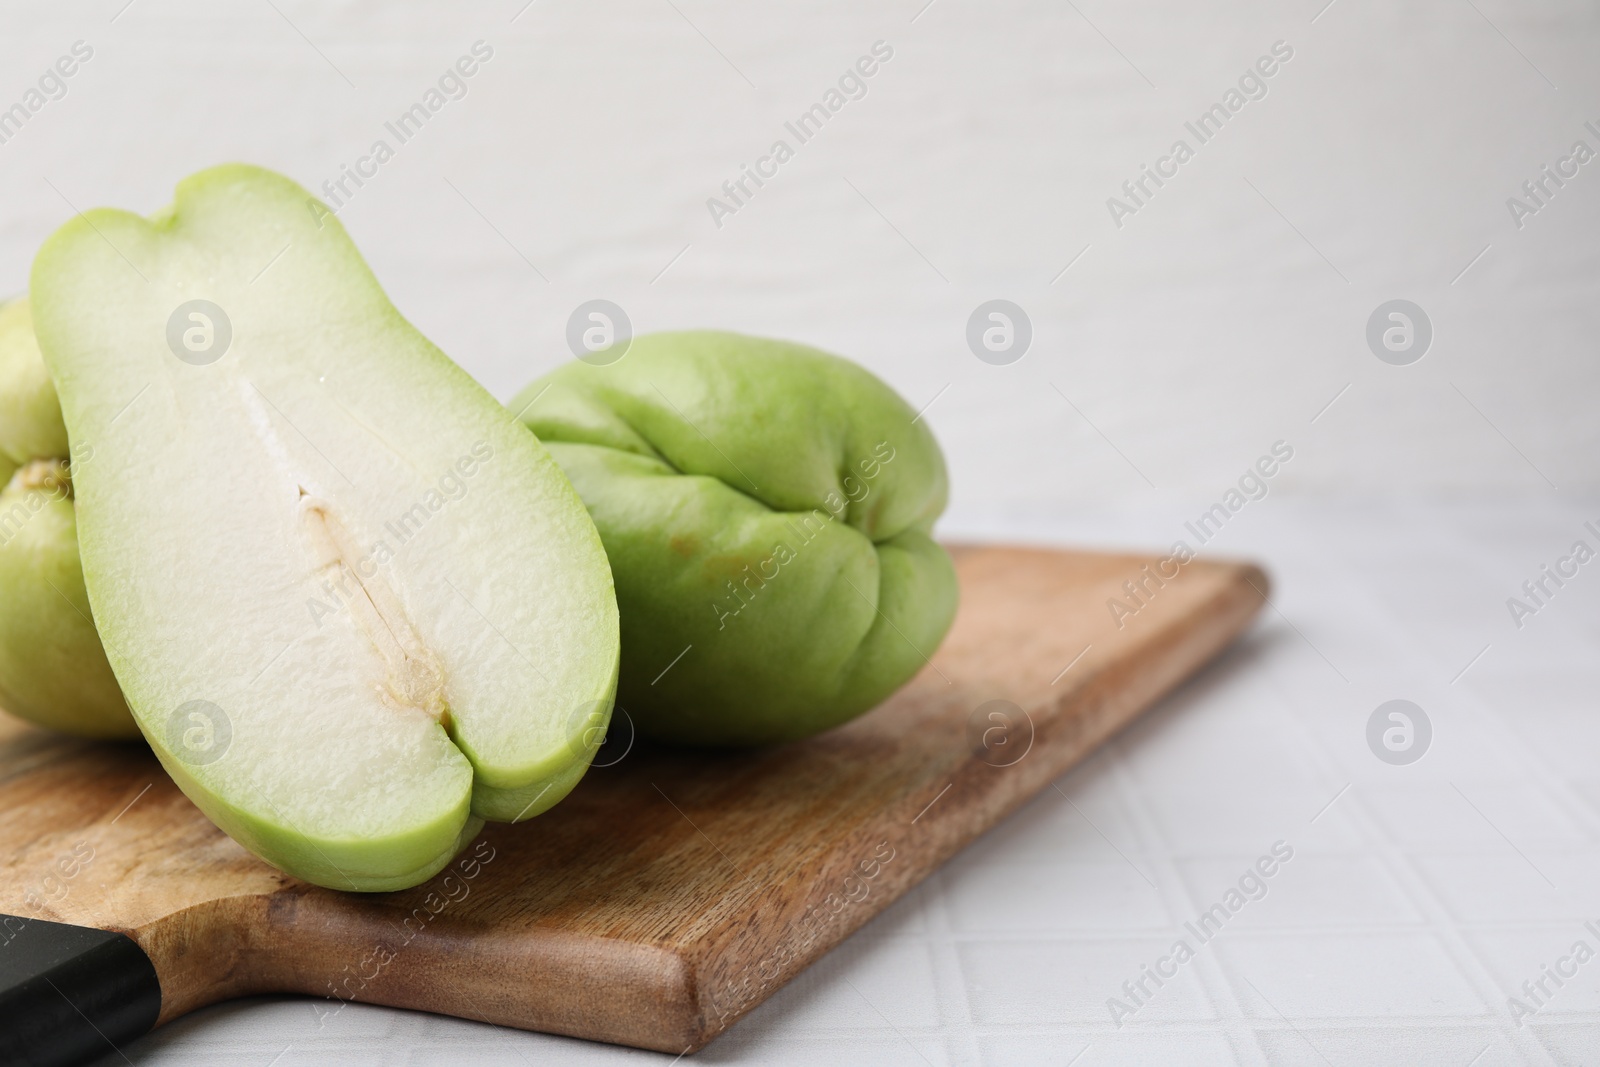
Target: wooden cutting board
x: 672, y: 891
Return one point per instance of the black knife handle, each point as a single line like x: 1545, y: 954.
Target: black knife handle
x: 69, y: 995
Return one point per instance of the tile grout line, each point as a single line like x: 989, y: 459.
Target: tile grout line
x: 1535, y: 774
x: 1210, y: 977
x: 1437, y: 921
x: 950, y: 977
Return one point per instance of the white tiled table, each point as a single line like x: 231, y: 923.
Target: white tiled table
x: 1414, y: 905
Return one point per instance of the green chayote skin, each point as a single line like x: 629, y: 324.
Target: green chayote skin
x: 767, y: 511
x: 53, y: 669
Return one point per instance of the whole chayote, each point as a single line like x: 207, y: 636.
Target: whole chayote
x: 767, y: 510
x: 53, y: 669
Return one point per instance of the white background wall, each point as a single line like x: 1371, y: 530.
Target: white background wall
x: 1222, y: 317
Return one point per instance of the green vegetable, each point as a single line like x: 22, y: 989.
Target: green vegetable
x: 355, y: 607
x: 767, y: 511
x: 53, y: 670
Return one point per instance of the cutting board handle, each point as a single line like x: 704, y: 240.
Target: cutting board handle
x: 70, y: 994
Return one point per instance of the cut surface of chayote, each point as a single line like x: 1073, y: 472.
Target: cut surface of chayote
x: 354, y: 605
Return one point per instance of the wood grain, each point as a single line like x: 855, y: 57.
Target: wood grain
x: 674, y: 890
